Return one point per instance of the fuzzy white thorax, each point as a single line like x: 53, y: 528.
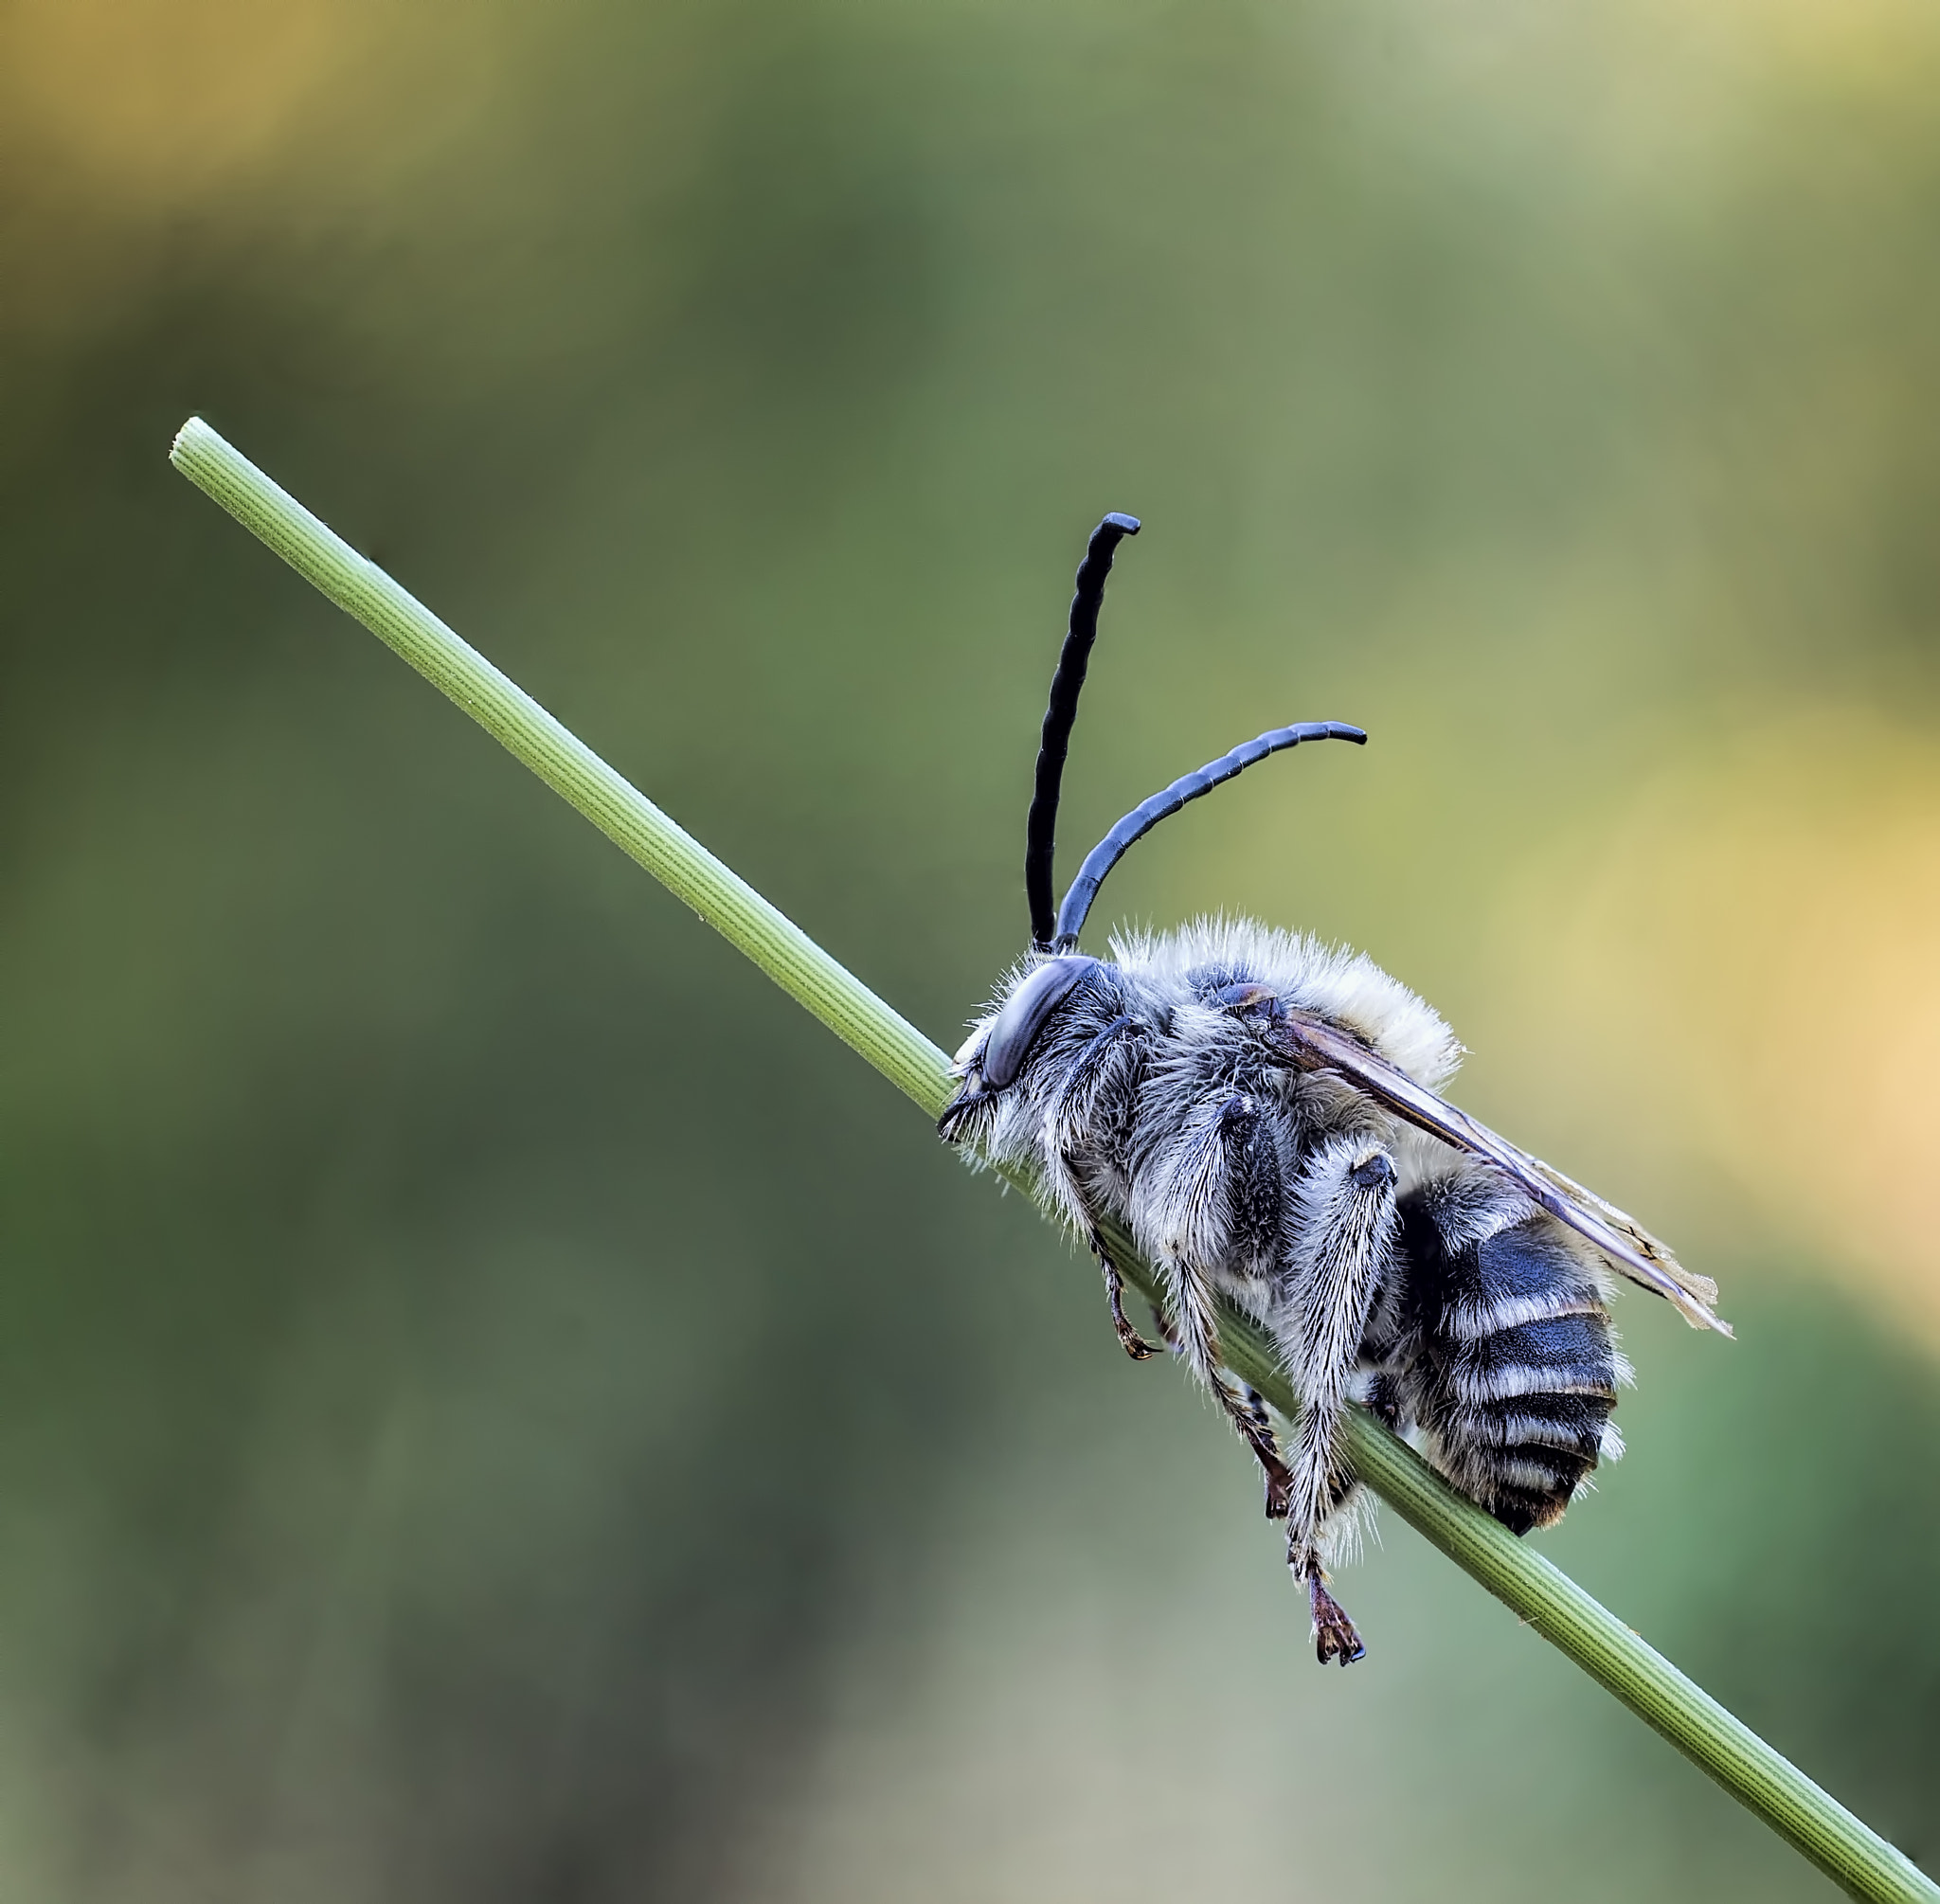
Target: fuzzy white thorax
x: 1344, y: 986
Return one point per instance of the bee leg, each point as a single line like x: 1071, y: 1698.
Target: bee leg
x: 1193, y: 1324
x: 968, y: 1099
x: 1334, y: 1635
x: 1255, y: 1404
x: 1346, y: 1196
x: 1134, y: 1344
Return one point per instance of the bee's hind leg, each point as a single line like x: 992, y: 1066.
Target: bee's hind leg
x: 1334, y: 1635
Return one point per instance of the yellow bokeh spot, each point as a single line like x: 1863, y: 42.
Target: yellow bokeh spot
x: 1748, y: 975
x: 154, y: 100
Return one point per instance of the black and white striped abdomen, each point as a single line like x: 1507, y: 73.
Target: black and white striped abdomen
x: 1507, y: 1359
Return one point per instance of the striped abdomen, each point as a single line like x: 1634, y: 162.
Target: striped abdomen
x: 1509, y: 1363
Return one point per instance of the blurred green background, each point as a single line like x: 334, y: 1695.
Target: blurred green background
x: 494, y: 1402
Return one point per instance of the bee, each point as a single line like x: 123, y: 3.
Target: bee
x: 1262, y: 1113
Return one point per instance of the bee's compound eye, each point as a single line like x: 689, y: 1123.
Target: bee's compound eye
x: 1023, y: 1016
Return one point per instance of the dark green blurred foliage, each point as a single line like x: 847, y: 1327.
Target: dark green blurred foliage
x: 495, y: 1403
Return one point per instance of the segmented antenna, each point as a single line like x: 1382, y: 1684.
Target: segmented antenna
x: 1142, y: 819
x: 1040, y: 829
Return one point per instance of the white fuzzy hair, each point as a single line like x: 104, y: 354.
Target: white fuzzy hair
x: 1343, y: 986
x: 1144, y: 1090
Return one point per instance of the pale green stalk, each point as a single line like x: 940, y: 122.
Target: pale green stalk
x: 1847, y: 1850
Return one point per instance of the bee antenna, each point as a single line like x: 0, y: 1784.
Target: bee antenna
x: 1142, y: 819
x: 1041, y: 828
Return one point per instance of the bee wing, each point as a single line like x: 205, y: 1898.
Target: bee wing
x: 1314, y: 1044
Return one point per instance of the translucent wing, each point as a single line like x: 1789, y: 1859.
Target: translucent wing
x: 1315, y: 1044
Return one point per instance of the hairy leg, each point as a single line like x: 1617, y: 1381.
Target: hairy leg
x: 1095, y: 1093
x: 1344, y: 1200
x: 1207, y: 1205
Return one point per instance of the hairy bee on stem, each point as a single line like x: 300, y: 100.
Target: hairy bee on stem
x: 1261, y: 1113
